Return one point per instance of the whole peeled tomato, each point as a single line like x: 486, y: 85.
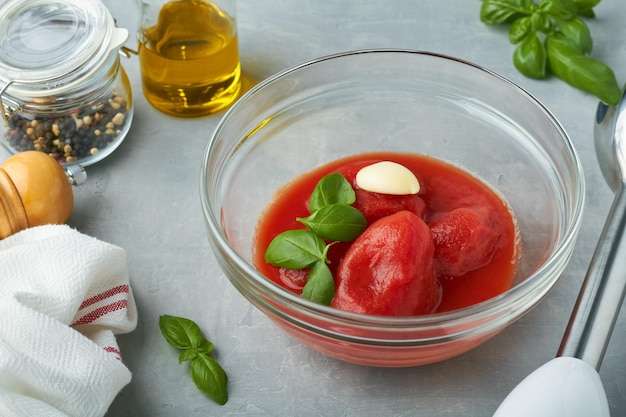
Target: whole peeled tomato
x: 375, y: 206
x: 465, y: 240
x: 389, y: 269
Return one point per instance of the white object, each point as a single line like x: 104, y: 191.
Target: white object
x: 63, y: 297
x: 387, y: 177
x: 563, y: 387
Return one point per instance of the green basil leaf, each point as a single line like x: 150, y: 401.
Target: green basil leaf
x: 210, y: 378
x: 320, y: 287
x: 337, y: 222
x: 187, y: 355
x: 295, y: 249
x: 495, y: 12
x: 331, y: 189
x: 567, y: 62
x: 520, y: 29
x: 585, y: 12
x: 585, y: 7
x: 587, y: 3
x: 180, y: 332
x: 205, y: 347
x: 540, y: 22
x: 558, y: 9
x: 576, y: 29
x: 530, y: 57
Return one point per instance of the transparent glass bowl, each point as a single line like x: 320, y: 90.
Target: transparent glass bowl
x: 404, y: 101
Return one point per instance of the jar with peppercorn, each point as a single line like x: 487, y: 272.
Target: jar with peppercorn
x: 63, y: 90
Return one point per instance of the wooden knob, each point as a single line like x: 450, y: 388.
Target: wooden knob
x: 34, y: 190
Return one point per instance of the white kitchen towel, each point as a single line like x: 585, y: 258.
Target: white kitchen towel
x: 63, y: 297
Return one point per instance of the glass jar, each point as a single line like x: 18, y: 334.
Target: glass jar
x: 62, y: 87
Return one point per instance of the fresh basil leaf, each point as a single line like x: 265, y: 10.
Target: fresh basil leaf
x: 187, y: 355
x: 320, y: 287
x: 585, y: 7
x: 206, y: 373
x: 558, y: 9
x: 494, y: 12
x: 540, y: 22
x: 576, y: 29
x: 331, y: 189
x: 295, y: 249
x: 180, y: 332
x: 567, y: 41
x: 530, y: 57
x: 567, y: 62
x: 520, y: 29
x: 205, y: 347
x: 210, y: 378
x: 337, y: 222
x: 586, y: 3
x: 585, y: 12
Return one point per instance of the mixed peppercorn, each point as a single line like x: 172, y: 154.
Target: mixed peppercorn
x: 71, y: 137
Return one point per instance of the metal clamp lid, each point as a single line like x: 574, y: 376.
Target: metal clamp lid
x: 50, y: 44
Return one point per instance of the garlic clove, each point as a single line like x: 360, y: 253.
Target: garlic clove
x: 387, y: 177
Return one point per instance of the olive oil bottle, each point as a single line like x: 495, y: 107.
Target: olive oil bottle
x: 189, y: 59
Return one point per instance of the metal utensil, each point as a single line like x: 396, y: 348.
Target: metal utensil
x: 569, y: 385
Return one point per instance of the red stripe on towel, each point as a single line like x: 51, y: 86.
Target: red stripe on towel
x: 99, y: 312
x: 103, y: 295
x: 111, y: 349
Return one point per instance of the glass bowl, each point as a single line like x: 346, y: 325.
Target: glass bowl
x: 402, y: 101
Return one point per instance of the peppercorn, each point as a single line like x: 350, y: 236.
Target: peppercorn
x: 72, y: 137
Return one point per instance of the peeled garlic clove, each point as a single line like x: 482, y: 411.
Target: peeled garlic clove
x: 387, y: 177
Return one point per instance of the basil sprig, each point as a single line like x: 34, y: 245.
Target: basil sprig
x: 552, y: 38
x: 332, y: 219
x: 206, y: 372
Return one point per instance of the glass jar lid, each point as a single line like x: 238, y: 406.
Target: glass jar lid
x: 46, y: 45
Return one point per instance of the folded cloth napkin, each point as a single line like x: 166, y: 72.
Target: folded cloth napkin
x: 63, y: 297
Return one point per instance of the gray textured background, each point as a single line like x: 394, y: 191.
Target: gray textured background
x: 145, y: 198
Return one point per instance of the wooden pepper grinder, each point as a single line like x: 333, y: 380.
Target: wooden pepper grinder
x: 34, y: 190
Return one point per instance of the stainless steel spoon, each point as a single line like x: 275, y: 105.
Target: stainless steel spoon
x: 569, y: 385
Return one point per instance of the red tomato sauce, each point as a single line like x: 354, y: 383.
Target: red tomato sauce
x: 444, y: 188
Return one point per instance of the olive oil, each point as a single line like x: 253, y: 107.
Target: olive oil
x: 190, y: 59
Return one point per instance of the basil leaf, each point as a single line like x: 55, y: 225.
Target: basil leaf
x: 530, y: 57
x: 500, y: 11
x: 210, y: 378
x: 338, y: 222
x: 567, y: 62
x: 295, y: 249
x: 320, y: 287
x: 585, y: 12
x: 331, y: 189
x: 586, y: 3
x: 205, y: 347
x: 585, y: 7
x: 577, y: 30
x: 558, y: 9
x: 206, y: 373
x: 567, y: 41
x: 540, y: 22
x: 180, y: 332
x: 187, y: 355
x: 520, y: 29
